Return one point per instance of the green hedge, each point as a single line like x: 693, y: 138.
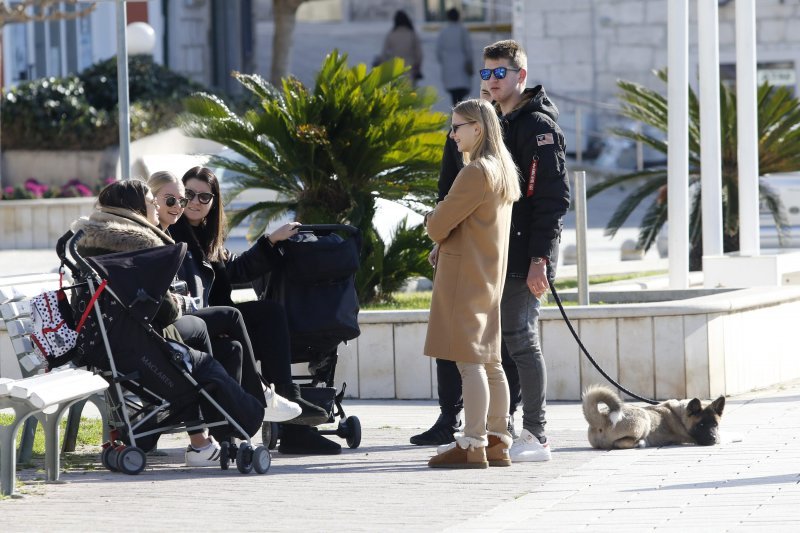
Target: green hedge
x: 80, y: 112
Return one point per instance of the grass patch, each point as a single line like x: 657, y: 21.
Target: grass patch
x: 90, y: 433
x: 407, y: 301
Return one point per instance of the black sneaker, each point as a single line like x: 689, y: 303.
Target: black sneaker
x: 437, y: 435
x: 305, y: 440
x: 511, y: 428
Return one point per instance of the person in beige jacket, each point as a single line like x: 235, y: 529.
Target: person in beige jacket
x: 471, y: 226
x: 403, y: 42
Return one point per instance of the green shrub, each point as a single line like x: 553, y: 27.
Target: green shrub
x: 53, y: 114
x: 80, y: 112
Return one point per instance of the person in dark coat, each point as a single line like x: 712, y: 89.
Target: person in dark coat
x: 210, y: 271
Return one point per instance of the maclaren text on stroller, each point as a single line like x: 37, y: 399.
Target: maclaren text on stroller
x: 315, y: 283
x: 156, y: 385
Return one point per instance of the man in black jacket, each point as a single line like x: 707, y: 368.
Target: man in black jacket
x: 537, y: 145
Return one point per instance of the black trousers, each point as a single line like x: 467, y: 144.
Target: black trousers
x: 449, y: 384
x: 227, y: 340
x: 269, y: 332
x: 458, y: 95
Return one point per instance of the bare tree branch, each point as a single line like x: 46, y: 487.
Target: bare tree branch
x: 49, y: 10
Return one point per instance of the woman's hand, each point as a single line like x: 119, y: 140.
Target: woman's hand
x: 433, y: 257
x: 283, y: 233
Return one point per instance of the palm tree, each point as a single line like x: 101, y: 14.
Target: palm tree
x: 330, y: 151
x: 779, y: 151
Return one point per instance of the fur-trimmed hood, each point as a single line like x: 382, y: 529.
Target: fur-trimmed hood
x: 110, y: 230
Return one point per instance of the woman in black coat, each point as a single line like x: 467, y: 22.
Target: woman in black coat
x: 210, y: 271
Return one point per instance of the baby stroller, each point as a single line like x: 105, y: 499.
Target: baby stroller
x: 316, y: 286
x: 156, y: 385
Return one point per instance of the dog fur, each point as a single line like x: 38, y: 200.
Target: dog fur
x: 622, y: 426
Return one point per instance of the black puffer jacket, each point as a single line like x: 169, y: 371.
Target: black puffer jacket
x: 213, y: 280
x: 532, y: 135
x: 530, y: 131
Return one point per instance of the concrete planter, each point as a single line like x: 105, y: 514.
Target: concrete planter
x: 56, y: 167
x: 37, y: 224
x: 725, y: 343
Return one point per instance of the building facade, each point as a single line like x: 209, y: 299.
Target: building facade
x: 579, y: 50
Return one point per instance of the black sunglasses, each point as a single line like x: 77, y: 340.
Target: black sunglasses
x: 499, y: 72
x: 203, y: 197
x: 171, y: 201
x: 454, y: 127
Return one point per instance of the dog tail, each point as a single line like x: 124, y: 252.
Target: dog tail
x: 597, y: 394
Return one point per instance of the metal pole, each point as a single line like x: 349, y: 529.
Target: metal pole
x: 578, y: 135
x: 639, y: 150
x: 579, y: 177
x: 747, y: 127
x: 710, y: 143
x: 122, y: 91
x: 678, y: 138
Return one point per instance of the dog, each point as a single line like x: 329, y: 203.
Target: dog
x: 623, y: 426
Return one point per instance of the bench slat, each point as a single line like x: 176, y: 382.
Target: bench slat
x: 39, y: 379
x: 19, y: 327
x: 12, y: 310
x: 61, y: 392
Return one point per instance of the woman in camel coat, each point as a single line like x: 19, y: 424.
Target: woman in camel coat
x: 472, y: 226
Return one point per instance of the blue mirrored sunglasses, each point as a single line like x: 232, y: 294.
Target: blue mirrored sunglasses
x: 499, y: 72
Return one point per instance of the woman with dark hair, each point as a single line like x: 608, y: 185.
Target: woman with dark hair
x: 125, y: 220
x: 402, y: 41
x: 210, y: 270
x: 224, y: 324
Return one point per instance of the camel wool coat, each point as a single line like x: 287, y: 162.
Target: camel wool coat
x: 472, y: 226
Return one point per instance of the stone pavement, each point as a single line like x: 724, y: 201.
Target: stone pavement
x: 750, y: 485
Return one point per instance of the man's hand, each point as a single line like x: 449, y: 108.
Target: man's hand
x: 537, y: 278
x: 433, y: 257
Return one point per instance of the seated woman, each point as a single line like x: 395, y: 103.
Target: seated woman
x: 225, y: 325
x: 126, y: 220
x: 210, y: 270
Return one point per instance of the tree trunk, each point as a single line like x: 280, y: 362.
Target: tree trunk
x: 285, y: 14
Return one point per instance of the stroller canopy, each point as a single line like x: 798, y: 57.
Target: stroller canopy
x: 140, y: 279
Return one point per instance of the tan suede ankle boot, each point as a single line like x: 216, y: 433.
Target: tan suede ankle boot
x: 459, y: 457
x: 497, y: 452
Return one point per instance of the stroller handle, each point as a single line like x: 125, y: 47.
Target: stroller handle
x: 73, y: 250
x: 326, y: 229
x: 61, y: 251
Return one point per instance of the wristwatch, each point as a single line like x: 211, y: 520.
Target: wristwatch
x: 538, y: 260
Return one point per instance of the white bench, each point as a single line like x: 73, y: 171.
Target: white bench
x: 15, y: 312
x: 47, y: 397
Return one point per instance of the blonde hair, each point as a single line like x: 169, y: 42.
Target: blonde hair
x: 490, y: 153
x: 158, y: 179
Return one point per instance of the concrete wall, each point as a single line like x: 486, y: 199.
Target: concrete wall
x: 722, y: 344
x: 38, y: 224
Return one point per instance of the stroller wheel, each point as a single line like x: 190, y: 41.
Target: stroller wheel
x: 261, y: 460
x: 131, y: 460
x: 109, y: 458
x: 224, y: 454
x: 269, y: 434
x: 244, y: 459
x: 353, y: 437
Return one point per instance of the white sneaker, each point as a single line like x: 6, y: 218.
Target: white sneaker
x: 206, y: 456
x: 279, y: 409
x: 527, y: 448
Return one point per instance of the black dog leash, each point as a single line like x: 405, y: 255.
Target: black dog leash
x: 586, y: 352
